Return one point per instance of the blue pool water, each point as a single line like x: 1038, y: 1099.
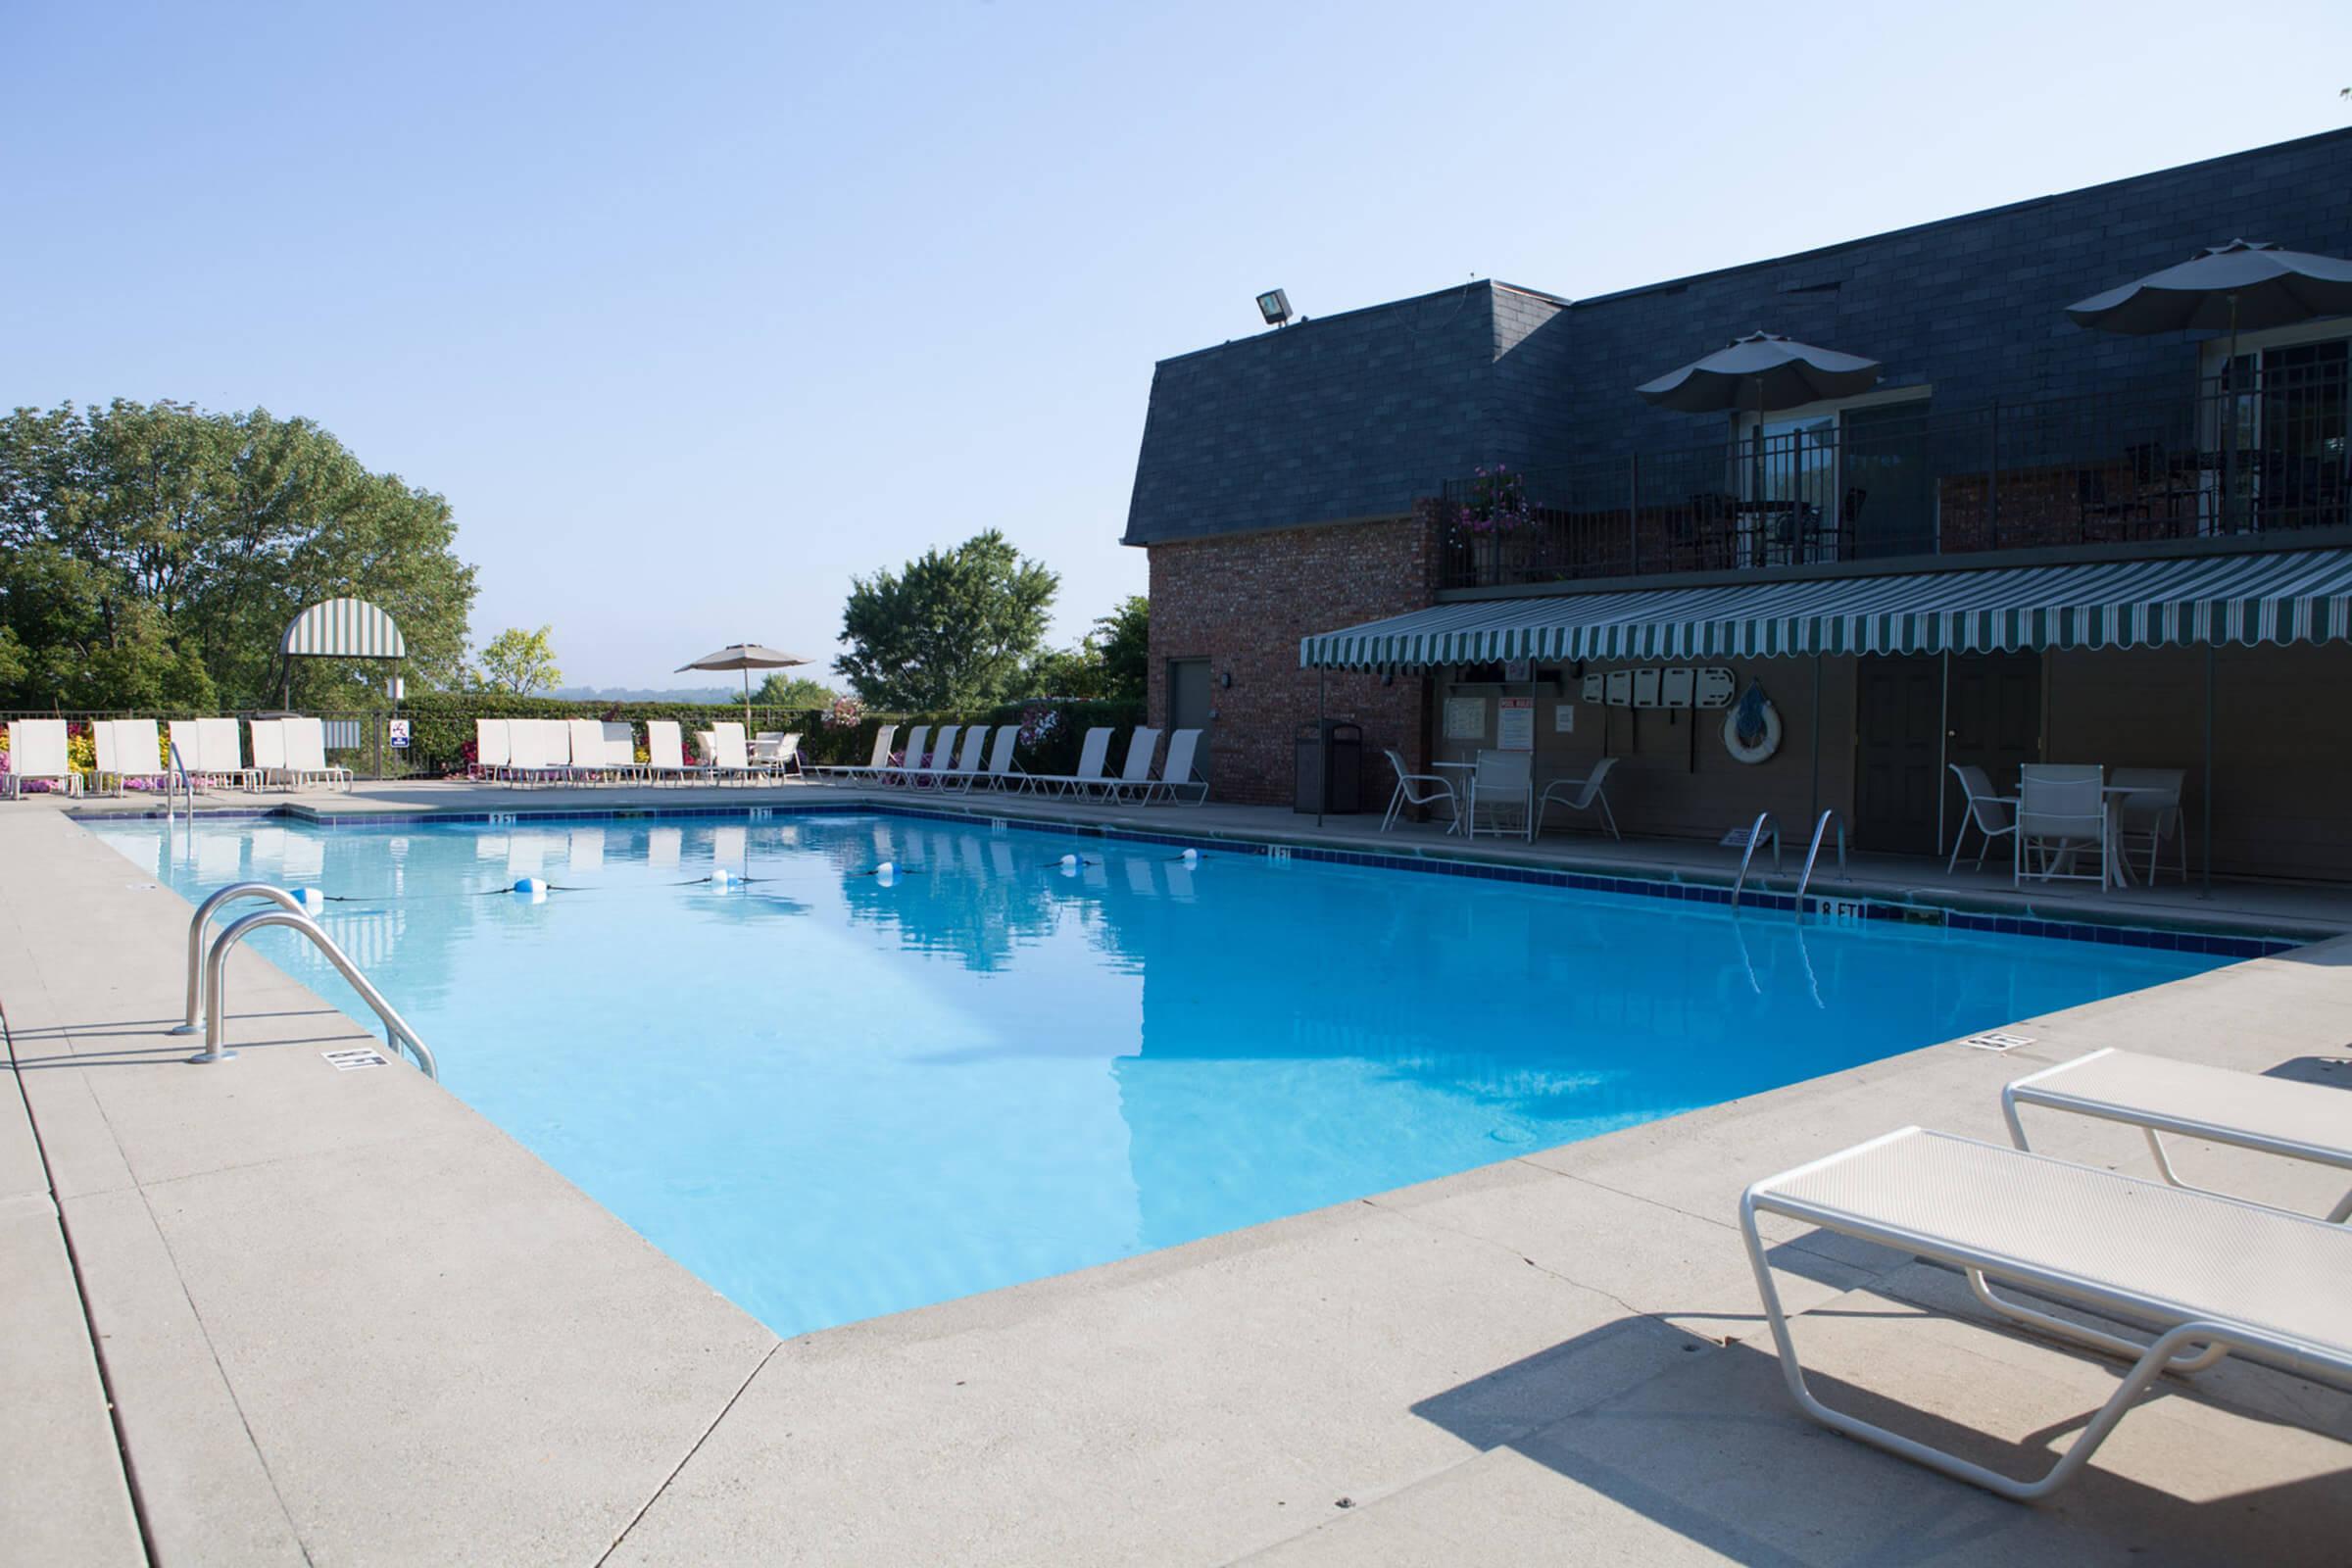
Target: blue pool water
x: 832, y: 1097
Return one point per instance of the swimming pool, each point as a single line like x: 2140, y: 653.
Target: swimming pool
x: 833, y: 1097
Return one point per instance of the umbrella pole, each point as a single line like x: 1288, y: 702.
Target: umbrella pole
x: 2207, y: 890
x: 746, y: 702
x: 2230, y: 425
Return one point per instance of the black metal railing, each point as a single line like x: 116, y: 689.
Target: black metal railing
x: 2263, y: 449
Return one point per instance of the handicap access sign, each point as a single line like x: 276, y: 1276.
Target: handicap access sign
x: 400, y: 734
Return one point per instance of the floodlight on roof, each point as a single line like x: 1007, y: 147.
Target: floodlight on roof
x: 1275, y: 306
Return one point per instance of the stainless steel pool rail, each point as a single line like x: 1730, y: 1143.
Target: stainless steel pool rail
x: 200, y: 925
x: 1756, y: 832
x: 397, y: 1032
x: 1813, y: 853
x: 177, y: 770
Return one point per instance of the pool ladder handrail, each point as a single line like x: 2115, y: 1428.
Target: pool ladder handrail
x: 1813, y: 854
x: 200, y: 926
x: 1755, y: 831
x: 177, y: 770
x: 397, y: 1032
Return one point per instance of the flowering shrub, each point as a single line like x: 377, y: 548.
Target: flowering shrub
x: 1038, y: 724
x: 1497, y: 502
x: 847, y: 712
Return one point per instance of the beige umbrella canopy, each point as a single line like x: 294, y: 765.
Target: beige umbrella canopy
x: 745, y: 657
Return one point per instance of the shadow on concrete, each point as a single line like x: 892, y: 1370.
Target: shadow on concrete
x: 2333, y: 1071
x: 1713, y: 1448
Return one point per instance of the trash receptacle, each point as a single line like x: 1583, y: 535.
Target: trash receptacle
x: 1329, y: 772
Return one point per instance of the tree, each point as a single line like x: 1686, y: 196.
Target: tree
x: 520, y: 661
x: 953, y: 630
x: 153, y: 554
x: 780, y: 690
x: 1109, y: 661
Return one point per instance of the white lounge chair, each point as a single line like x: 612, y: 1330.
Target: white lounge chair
x: 2205, y: 1277
x: 182, y: 735
x: 919, y: 740
x: 38, y: 753
x: 1093, y: 752
x: 306, y: 754
x: 2157, y: 1094
x: 1419, y: 789
x: 1500, y: 783
x: 269, y: 752
x: 221, y: 754
x: 2150, y: 814
x: 2060, y: 817
x: 967, y: 760
x: 666, y: 750
x: 1003, y: 772
x: 620, y: 750
x: 539, y: 751
x: 730, y: 752
x: 874, y: 765
x: 933, y: 767
x: 1135, y: 779
x: 1580, y: 794
x: 1182, y: 769
x: 1984, y: 808
x: 587, y: 740
x: 102, y: 753
x: 492, y: 753
x: 125, y: 749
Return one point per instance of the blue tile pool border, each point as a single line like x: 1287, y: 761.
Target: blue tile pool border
x: 2170, y: 939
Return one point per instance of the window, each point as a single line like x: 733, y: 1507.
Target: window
x: 1834, y: 481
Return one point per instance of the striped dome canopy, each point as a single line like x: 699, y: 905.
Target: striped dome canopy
x: 345, y: 628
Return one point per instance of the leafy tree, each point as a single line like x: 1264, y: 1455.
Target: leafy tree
x: 1107, y: 664
x: 780, y: 690
x: 152, y: 555
x: 953, y: 630
x: 520, y: 661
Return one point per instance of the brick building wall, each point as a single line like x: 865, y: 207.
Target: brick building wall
x: 1243, y: 604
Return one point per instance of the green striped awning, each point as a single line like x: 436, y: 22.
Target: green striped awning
x: 2276, y: 597
x: 345, y: 628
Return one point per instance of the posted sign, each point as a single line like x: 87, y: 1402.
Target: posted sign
x: 398, y: 730
x: 1515, y: 724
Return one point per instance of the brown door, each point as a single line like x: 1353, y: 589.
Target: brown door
x: 1899, y: 718
x: 1189, y: 704
x: 1994, y: 722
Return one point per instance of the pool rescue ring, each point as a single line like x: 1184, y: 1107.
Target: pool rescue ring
x: 1751, y: 729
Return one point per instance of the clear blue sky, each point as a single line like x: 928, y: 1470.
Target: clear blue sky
x: 694, y: 310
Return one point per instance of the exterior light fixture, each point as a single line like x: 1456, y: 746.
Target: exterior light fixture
x: 1225, y: 680
x: 1275, y: 306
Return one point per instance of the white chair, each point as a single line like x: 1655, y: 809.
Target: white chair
x: 2151, y: 814
x: 1003, y: 772
x: 932, y: 767
x: 777, y: 752
x: 1982, y: 809
x: 102, y: 752
x: 730, y: 752
x: 491, y: 752
x: 2204, y: 1277
x: 1582, y: 794
x: 2060, y: 817
x: 306, y: 754
x: 1501, y: 783
x: 2158, y: 1094
x: 966, y: 771
x: 1136, y: 776
x: 620, y: 750
x: 873, y: 768
x: 919, y: 741
x: 666, y: 750
x: 269, y: 752
x: 1419, y: 789
x: 37, y: 750
x: 587, y: 740
x: 1182, y: 769
x: 1093, y: 752
x: 221, y: 754
x: 183, y: 737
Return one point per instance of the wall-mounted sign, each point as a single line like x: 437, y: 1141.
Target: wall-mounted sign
x: 398, y: 730
x: 1515, y: 724
x: 1662, y: 688
x: 1466, y: 718
x: 1563, y: 718
x: 1516, y: 670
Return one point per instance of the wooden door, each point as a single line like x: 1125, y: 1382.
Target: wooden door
x: 1190, y: 705
x: 1994, y: 724
x: 1898, y: 706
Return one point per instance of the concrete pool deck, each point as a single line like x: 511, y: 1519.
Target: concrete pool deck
x: 340, y: 1318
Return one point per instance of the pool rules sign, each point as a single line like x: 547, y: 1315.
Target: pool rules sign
x: 1515, y: 724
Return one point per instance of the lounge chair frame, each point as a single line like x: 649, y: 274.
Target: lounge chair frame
x: 2041, y: 1088
x: 2181, y: 1342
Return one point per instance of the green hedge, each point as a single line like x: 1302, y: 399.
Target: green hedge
x: 441, y: 726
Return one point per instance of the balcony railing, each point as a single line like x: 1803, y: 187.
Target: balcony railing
x: 1905, y: 479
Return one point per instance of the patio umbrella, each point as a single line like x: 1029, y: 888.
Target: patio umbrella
x: 745, y: 657
x: 1757, y: 374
